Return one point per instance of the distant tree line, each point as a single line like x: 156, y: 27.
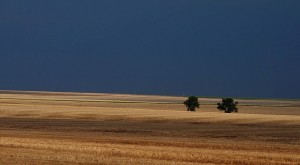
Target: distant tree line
x: 227, y: 105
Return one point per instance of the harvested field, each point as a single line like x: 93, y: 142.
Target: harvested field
x: 89, y: 128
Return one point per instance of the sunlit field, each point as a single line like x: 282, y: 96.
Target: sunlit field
x: 86, y: 128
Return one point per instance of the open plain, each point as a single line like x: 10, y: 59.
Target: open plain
x: 88, y: 128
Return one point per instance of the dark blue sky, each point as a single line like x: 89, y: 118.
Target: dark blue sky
x: 238, y: 48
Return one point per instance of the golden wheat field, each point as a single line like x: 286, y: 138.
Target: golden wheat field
x: 87, y: 128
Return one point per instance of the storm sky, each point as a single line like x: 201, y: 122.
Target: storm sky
x: 237, y: 48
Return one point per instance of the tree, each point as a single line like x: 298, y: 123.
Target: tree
x: 228, y: 105
x: 191, y: 103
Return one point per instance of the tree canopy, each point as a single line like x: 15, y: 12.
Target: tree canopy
x: 228, y: 105
x: 191, y: 103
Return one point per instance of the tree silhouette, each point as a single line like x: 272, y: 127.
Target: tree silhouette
x: 228, y: 105
x: 191, y: 103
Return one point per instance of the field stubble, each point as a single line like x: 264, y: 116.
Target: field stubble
x: 72, y: 128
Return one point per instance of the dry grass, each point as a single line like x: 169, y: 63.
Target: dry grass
x: 74, y: 128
